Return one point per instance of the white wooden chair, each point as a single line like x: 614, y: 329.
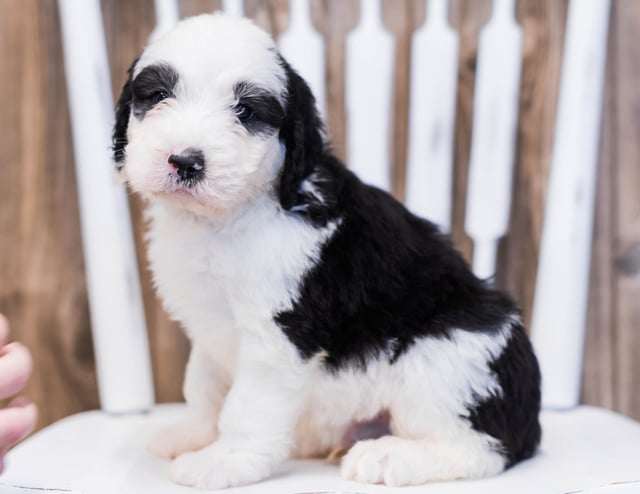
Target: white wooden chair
x: 582, y: 447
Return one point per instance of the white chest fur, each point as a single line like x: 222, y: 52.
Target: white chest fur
x: 221, y: 277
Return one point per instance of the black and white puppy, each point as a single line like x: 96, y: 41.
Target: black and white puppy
x: 313, y: 301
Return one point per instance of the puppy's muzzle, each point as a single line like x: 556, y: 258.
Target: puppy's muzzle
x: 189, y: 164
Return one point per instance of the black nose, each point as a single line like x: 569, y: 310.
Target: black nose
x: 189, y: 164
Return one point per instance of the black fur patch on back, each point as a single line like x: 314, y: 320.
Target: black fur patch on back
x: 384, y: 279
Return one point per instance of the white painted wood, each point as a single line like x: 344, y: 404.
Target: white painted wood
x: 167, y: 15
x: 233, y: 7
x: 495, y: 119
x: 369, y: 88
x: 117, y: 315
x: 560, y: 303
x: 303, y: 48
x: 434, y: 73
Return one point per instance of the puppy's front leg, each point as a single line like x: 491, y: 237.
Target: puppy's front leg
x: 257, y: 421
x: 205, y: 386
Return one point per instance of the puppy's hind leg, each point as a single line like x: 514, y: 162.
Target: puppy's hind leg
x: 204, y: 390
x: 397, y: 461
x: 430, y: 392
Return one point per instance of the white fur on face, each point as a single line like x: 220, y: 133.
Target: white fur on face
x: 239, y: 165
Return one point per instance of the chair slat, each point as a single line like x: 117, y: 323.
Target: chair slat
x: 495, y: 120
x: 434, y: 72
x: 233, y: 7
x: 167, y: 15
x: 368, y: 85
x: 303, y: 48
x: 560, y: 302
x: 115, y: 297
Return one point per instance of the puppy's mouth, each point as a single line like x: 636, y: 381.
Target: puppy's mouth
x: 172, y: 185
x: 184, y: 197
x: 182, y: 188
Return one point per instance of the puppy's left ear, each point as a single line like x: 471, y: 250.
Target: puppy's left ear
x: 123, y: 111
x: 301, y: 134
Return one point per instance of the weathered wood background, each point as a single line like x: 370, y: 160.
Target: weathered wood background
x: 42, y: 286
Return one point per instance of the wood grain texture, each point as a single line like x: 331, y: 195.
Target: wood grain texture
x: 42, y: 287
x: 611, y: 371
x: 626, y: 204
x: 468, y: 18
x: 270, y: 15
x: 401, y: 18
x: 334, y: 19
x: 195, y: 7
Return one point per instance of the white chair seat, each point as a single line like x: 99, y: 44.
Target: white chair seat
x: 93, y: 453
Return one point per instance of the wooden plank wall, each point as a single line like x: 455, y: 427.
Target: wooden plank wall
x: 612, y: 367
x: 42, y: 287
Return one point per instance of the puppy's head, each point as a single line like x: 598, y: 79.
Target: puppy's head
x: 212, y: 117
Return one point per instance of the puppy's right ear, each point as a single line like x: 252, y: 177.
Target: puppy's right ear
x: 123, y: 111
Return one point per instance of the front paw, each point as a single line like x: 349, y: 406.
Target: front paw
x: 189, y: 435
x: 219, y: 466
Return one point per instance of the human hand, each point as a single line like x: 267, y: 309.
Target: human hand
x: 18, y: 419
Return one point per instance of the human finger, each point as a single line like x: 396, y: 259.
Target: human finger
x: 4, y: 330
x: 15, y: 369
x: 16, y: 422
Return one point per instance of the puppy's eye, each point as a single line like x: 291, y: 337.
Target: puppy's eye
x: 155, y: 97
x: 243, y: 112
